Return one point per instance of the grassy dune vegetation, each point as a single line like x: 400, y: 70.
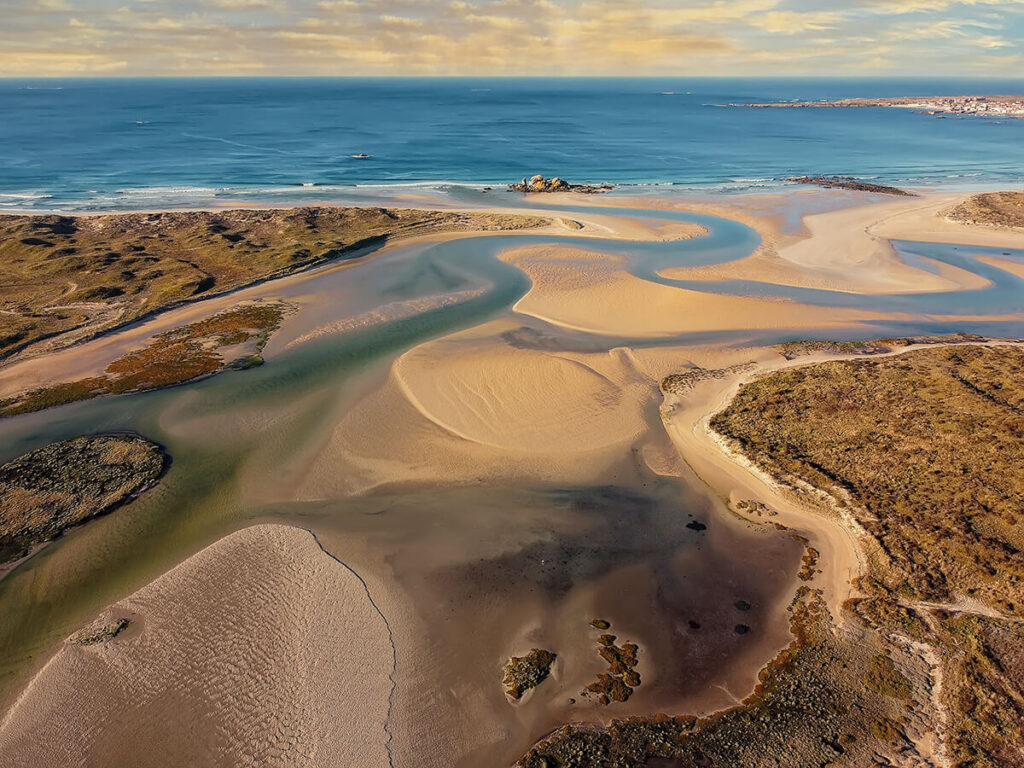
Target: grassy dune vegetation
x: 232, y: 339
x: 71, y: 277
x: 63, y: 484
x: 997, y: 209
x: 926, y: 451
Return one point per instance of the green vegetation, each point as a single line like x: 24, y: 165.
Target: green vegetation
x: 899, y: 439
x: 680, y: 383
x: 925, y: 451
x: 885, y: 729
x: 71, y: 277
x: 49, y: 490
x: 808, y: 564
x: 525, y: 672
x: 793, y: 349
x: 884, y: 678
x: 172, y: 357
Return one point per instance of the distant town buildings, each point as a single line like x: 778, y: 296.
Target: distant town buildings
x: 940, y: 106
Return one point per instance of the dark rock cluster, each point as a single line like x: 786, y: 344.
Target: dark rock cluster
x: 848, y: 182
x: 525, y: 672
x: 618, y: 682
x: 540, y: 184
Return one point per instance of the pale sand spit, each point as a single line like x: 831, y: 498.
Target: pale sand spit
x: 1007, y: 265
x: 925, y: 219
x: 588, y: 291
x: 261, y: 649
x: 686, y: 419
x: 386, y: 313
x: 849, y: 250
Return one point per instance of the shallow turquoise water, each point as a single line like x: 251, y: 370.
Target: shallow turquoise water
x: 236, y: 439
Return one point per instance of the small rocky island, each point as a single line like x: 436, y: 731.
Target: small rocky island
x: 525, y: 672
x: 46, y: 491
x: 618, y: 683
x: 540, y: 184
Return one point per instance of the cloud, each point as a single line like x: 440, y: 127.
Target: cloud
x: 890, y: 7
x: 43, y: 64
x: 511, y: 37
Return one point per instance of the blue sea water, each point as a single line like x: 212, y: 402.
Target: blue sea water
x: 129, y: 143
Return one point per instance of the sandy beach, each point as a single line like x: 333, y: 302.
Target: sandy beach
x: 239, y: 647
x: 481, y: 485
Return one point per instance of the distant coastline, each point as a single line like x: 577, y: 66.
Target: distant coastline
x: 978, y: 106
x: 188, y: 152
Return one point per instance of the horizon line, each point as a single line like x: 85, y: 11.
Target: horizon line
x: 510, y: 77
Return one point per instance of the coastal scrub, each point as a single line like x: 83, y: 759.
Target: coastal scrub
x: 234, y: 339
x: 51, y: 489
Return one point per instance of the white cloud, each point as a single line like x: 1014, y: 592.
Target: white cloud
x: 519, y: 36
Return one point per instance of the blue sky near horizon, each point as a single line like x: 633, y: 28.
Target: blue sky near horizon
x: 971, y: 38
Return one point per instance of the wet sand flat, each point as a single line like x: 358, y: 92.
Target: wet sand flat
x: 261, y: 649
x: 475, y: 427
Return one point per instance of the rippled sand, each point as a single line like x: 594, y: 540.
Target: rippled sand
x: 497, y: 482
x: 260, y: 650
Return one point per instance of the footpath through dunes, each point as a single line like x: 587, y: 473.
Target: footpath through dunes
x: 261, y: 649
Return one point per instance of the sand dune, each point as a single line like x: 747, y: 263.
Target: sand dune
x: 259, y: 650
x: 847, y: 250
x: 265, y: 650
x: 521, y: 399
x: 390, y: 312
x: 474, y: 406
x: 592, y: 292
x: 926, y: 220
x: 886, y: 275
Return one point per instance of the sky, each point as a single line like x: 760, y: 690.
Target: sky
x: 511, y: 37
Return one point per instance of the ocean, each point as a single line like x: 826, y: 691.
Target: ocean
x: 107, y: 144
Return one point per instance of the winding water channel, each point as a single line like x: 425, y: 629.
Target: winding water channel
x: 474, y: 559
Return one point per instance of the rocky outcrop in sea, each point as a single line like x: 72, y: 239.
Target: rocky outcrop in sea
x: 538, y: 183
